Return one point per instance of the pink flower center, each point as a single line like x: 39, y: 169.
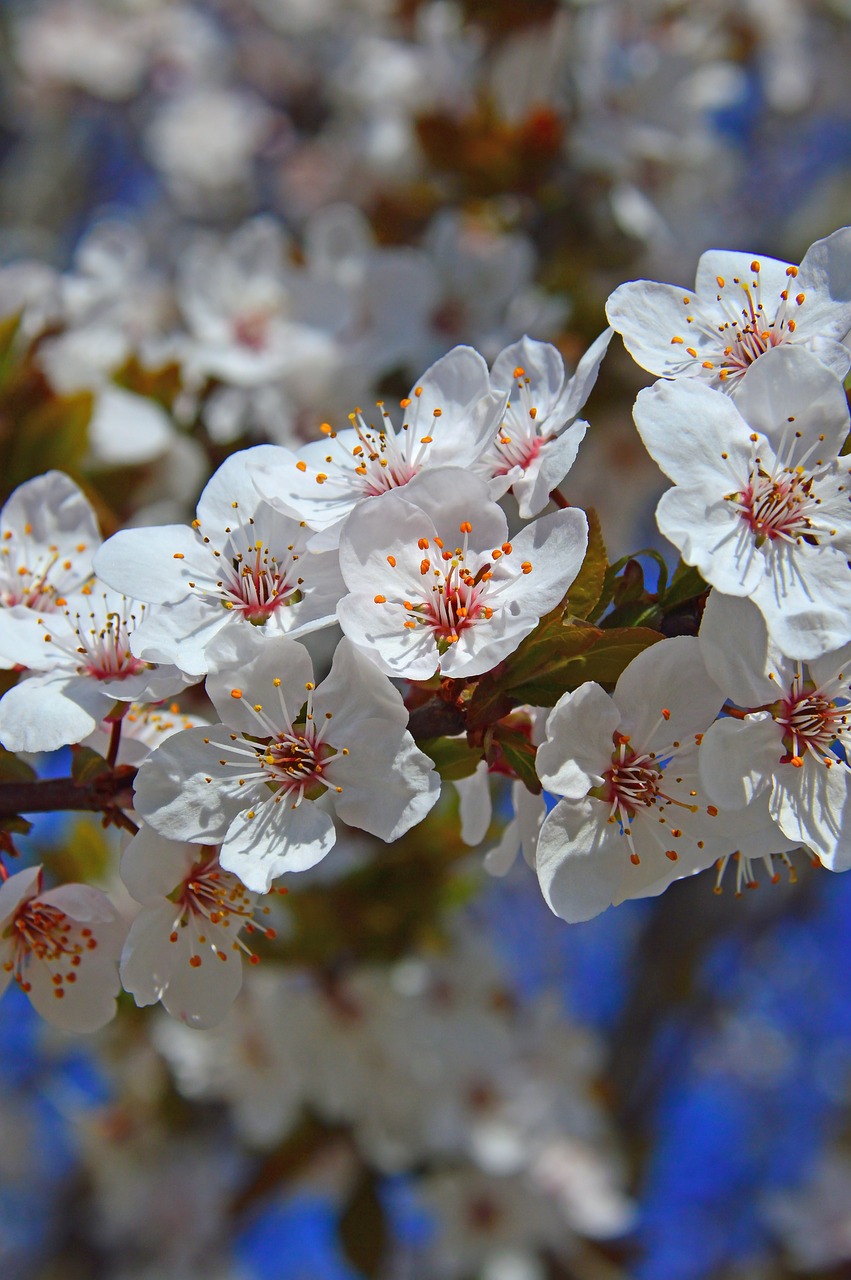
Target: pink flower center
x: 209, y: 894
x: 746, y: 330
x: 35, y: 576
x: 811, y: 723
x: 776, y: 506
x: 384, y: 460
x: 294, y: 762
x: 633, y: 782
x: 519, y: 441
x: 44, y: 933
x: 250, y: 577
x: 251, y: 330
x: 106, y: 650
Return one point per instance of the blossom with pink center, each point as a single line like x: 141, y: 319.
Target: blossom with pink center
x: 184, y: 948
x: 540, y: 435
x: 241, y: 564
x: 48, y: 536
x: 253, y: 317
x: 789, y: 738
x: 62, y: 949
x: 450, y: 418
x: 84, y: 666
x: 740, y: 309
x: 762, y: 503
x: 436, y: 585
x: 262, y: 782
x: 634, y: 816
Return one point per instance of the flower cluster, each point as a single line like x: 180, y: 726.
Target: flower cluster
x: 687, y: 750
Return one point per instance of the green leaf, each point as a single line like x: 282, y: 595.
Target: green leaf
x: 14, y: 770
x: 52, y: 435
x: 453, y: 758
x: 9, y: 327
x: 518, y: 751
x: 87, y: 765
x: 162, y: 384
x: 587, y: 587
x: 686, y: 584
x: 603, y: 660
x: 537, y: 663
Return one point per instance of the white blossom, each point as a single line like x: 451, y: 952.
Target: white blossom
x: 82, y: 668
x: 540, y: 435
x: 633, y: 815
x: 761, y: 503
x: 184, y: 947
x: 450, y: 418
x: 261, y: 782
x: 790, y: 746
x: 62, y: 948
x: 242, y: 564
x: 436, y: 585
x: 740, y: 308
x: 48, y: 536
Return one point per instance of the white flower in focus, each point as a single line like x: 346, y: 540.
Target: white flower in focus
x: 761, y: 503
x: 83, y: 667
x: 539, y: 437
x: 791, y: 747
x: 184, y: 948
x: 62, y: 948
x: 242, y: 564
x: 261, y: 783
x: 634, y: 816
x: 435, y: 583
x: 451, y: 416
x: 48, y: 536
x: 740, y: 308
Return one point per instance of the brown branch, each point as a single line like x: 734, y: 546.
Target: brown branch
x: 106, y: 793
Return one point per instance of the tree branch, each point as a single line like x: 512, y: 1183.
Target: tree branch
x: 109, y: 791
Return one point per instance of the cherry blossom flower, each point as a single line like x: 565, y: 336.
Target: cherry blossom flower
x: 634, y: 816
x: 520, y: 833
x: 81, y: 670
x: 435, y: 584
x: 62, y: 948
x: 241, y: 564
x: 485, y: 281
x: 252, y: 317
x: 261, y: 782
x: 451, y: 416
x: 761, y: 503
x: 142, y: 728
x: 540, y: 435
x: 740, y: 308
x: 492, y: 1226
x: 48, y: 536
x: 790, y: 747
x: 184, y: 948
